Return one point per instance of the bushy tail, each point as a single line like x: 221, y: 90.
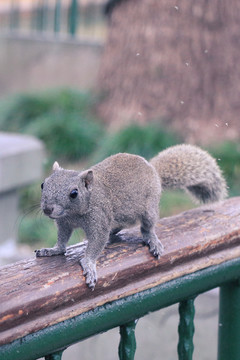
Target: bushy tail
x: 192, y: 169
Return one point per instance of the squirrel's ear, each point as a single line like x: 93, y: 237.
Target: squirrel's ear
x: 87, y: 179
x: 56, y: 166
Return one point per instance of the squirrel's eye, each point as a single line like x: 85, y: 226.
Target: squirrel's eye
x: 42, y: 185
x: 74, y: 193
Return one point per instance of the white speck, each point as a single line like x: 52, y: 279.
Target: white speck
x: 137, y: 54
x: 176, y: 7
x: 219, y: 159
x: 139, y: 113
x: 226, y: 124
x: 181, y: 102
x: 206, y: 51
x: 216, y: 125
x: 187, y: 63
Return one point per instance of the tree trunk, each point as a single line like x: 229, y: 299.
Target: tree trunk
x: 177, y: 62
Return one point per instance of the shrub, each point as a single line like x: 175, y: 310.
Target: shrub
x: 228, y: 158
x: 64, y: 120
x: 146, y: 141
x: 39, y: 231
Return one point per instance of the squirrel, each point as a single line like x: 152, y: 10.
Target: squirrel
x: 120, y: 191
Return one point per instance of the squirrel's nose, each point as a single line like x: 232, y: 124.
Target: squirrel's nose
x: 48, y: 210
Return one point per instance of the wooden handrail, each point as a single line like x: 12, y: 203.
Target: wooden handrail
x: 37, y: 293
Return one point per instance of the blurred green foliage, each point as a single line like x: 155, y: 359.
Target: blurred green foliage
x: 146, y: 141
x: 66, y: 122
x: 175, y: 201
x: 227, y: 155
x: 39, y: 231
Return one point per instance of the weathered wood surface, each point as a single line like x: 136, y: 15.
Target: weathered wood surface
x: 40, y: 292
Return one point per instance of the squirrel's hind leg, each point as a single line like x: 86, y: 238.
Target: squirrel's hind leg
x: 149, y: 236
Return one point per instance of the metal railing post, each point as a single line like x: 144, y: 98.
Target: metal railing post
x: 229, y: 322
x: 14, y: 15
x: 127, y: 345
x: 73, y: 17
x: 55, y: 356
x: 57, y: 16
x: 186, y: 329
x: 41, y: 15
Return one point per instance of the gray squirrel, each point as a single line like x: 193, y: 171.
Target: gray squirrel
x: 121, y: 191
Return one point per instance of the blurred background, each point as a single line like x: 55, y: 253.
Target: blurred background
x: 83, y: 79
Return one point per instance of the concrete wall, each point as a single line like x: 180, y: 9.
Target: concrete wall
x: 28, y: 64
x: 21, y: 159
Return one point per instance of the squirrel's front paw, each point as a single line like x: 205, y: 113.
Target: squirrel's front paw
x: 89, y: 271
x: 49, y: 252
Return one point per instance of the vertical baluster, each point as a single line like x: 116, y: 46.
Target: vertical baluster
x: 229, y: 322
x: 186, y: 329
x: 39, y: 16
x: 36, y: 16
x: 33, y: 16
x: 14, y: 15
x: 45, y: 14
x: 127, y: 345
x: 55, y: 356
x: 57, y: 16
x: 73, y: 17
x: 42, y: 15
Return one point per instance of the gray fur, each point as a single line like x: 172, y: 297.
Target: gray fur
x: 121, y: 191
x: 192, y: 169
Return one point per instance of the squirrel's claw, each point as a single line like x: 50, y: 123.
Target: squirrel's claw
x: 50, y: 252
x: 155, y: 246
x: 89, y: 271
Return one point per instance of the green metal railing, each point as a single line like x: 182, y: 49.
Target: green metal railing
x: 124, y: 312
x: 53, y: 17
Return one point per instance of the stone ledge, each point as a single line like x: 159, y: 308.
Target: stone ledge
x: 21, y: 158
